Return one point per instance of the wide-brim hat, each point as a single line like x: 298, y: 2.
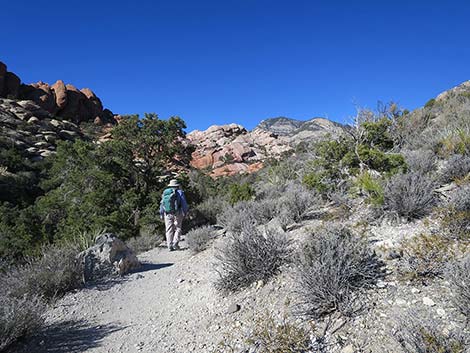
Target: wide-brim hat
x: 174, y: 183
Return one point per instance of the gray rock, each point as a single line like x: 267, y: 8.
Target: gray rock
x: 33, y: 120
x: 109, y: 256
x: 233, y: 308
x: 428, y: 301
x: 68, y: 135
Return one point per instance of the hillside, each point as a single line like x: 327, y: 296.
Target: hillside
x: 296, y: 131
x: 359, y: 244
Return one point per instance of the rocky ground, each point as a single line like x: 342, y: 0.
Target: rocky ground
x: 170, y: 305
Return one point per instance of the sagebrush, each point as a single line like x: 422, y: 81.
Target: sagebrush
x: 50, y: 275
x: 410, y: 195
x: 19, y: 317
x: 334, y: 266
x: 198, y: 239
x: 251, y: 256
x: 425, y: 256
x: 458, y: 275
x: 417, y: 333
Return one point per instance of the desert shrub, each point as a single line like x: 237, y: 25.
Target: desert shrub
x: 372, y: 187
x: 270, y: 336
x: 425, y: 256
x: 390, y: 163
x: 210, y: 208
x: 235, y: 217
x: 422, y: 334
x: 288, y: 207
x: 421, y: 161
x: 458, y: 275
x: 455, y: 142
x: 296, y: 200
x: 249, y: 257
x: 332, y: 159
x: 240, y: 192
x: 318, y: 181
x: 19, y: 317
x: 456, y: 217
x: 430, y: 103
x: 198, y: 239
x: 377, y: 133
x: 334, y: 266
x: 409, y: 195
x: 144, y: 242
x: 52, y: 274
x: 458, y: 166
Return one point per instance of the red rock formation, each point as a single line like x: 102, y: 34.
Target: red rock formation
x: 231, y: 149
x: 60, y: 92
x: 60, y: 100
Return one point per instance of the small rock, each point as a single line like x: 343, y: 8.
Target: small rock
x: 400, y: 302
x: 415, y: 290
x: 441, y: 312
x: 180, y: 280
x: 233, y: 308
x: 33, y: 120
x: 428, y: 301
x: 381, y: 284
x: 348, y: 349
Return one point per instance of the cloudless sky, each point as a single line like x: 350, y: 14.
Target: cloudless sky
x: 223, y: 61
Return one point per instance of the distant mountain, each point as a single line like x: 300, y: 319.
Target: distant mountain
x: 231, y: 149
x: 296, y: 131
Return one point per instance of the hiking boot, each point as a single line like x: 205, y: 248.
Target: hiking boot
x: 176, y: 247
x: 171, y: 248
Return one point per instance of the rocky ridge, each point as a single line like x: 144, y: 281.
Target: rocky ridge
x: 59, y: 99
x: 231, y: 149
x: 28, y: 127
x: 296, y: 131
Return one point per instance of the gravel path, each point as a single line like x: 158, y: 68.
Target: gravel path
x: 169, y: 306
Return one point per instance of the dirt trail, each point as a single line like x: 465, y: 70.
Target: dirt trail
x: 168, y: 306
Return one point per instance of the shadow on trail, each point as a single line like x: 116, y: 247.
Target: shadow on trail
x: 151, y: 267
x: 71, y: 336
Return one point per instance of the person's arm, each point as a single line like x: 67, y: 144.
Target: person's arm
x: 184, y: 203
x: 162, y: 210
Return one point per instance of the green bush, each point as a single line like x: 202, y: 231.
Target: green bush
x: 430, y: 103
x: 240, y: 192
x: 371, y: 187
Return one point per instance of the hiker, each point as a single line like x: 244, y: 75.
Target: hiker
x: 173, y: 208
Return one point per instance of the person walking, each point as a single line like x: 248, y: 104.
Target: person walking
x: 173, y: 209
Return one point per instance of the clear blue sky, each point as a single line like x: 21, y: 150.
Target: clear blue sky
x: 216, y: 62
